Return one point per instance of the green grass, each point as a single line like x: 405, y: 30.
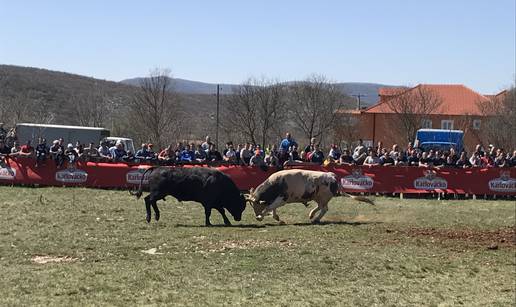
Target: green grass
x: 400, y: 253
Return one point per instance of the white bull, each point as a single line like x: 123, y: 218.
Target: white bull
x: 296, y: 186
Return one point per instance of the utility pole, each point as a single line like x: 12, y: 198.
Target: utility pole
x: 217, y: 124
x: 358, y: 96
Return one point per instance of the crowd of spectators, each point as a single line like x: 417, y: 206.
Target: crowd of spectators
x: 287, y: 152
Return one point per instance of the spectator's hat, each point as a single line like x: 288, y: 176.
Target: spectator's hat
x: 70, y: 145
x: 118, y: 142
x: 55, y: 142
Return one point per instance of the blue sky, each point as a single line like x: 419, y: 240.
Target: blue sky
x: 390, y: 42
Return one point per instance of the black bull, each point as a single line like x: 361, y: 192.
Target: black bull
x: 210, y: 187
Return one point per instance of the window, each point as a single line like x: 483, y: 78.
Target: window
x: 426, y: 124
x: 476, y: 124
x: 447, y: 124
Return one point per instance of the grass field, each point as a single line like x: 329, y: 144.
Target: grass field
x: 74, y: 247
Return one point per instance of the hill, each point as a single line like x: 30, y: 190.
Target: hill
x: 368, y: 91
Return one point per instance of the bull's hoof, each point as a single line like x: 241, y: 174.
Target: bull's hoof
x: 282, y: 223
x: 148, y: 218
x: 259, y: 218
x: 157, y: 217
x: 208, y: 225
x: 316, y: 222
x: 228, y: 225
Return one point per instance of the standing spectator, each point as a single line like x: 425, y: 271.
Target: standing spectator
x: 41, y: 152
x: 283, y: 156
x: 237, y: 153
x: 71, y: 155
x: 91, y: 153
x: 3, y: 132
x: 271, y: 159
x: 206, y: 144
x: 200, y: 154
x: 500, y: 160
x: 478, y: 150
x: 379, y: 148
x: 317, y: 156
x: 409, y: 149
x: 399, y: 159
x: 346, y: 158
x: 151, y: 153
x: 287, y: 142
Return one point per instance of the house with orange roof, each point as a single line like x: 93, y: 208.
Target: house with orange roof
x: 401, y: 111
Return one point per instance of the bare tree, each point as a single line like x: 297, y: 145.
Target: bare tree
x: 92, y: 108
x: 256, y: 109
x: 411, y: 106
x: 313, y: 105
x: 499, y: 124
x: 155, y: 109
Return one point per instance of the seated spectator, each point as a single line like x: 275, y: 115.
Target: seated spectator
x: 294, y: 154
x: 230, y: 155
x: 71, y: 155
x: 399, y: 159
x: 206, y: 144
x: 463, y: 161
x: 386, y: 159
x: 475, y: 159
x: 271, y: 159
x: 80, y: 151
x: 4, y: 151
x: 287, y: 142
x: 200, y: 154
x: 188, y: 154
x: 334, y: 154
x: 360, y: 153
x: 439, y: 159
x: 500, y: 160
x: 512, y: 160
x: 167, y: 155
x: 143, y: 153
x: 394, y: 151
x: 478, y: 150
x: 118, y: 152
x: 317, y: 156
x: 237, y: 153
x: 453, y: 155
x: 104, y: 152
x: 246, y: 154
x: 213, y: 155
x: 226, y: 148
x: 15, y: 150
x: 425, y: 160
x: 305, y: 154
x: 486, y: 161
x: 346, y: 158
x: 409, y: 150
x: 57, y: 153
x: 26, y: 151
x: 91, y: 153
x: 413, y: 159
x: 371, y: 159
x: 151, y: 152
x: 41, y: 152
x: 449, y: 162
x: 256, y: 159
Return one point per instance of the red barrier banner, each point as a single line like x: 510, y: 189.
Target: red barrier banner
x: 375, y: 179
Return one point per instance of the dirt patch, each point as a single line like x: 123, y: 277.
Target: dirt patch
x: 52, y: 259
x: 492, y: 239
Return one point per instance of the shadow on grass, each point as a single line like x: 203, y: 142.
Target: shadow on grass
x: 264, y: 225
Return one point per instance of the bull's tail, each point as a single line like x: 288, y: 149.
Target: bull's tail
x: 359, y: 198
x: 139, y: 192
